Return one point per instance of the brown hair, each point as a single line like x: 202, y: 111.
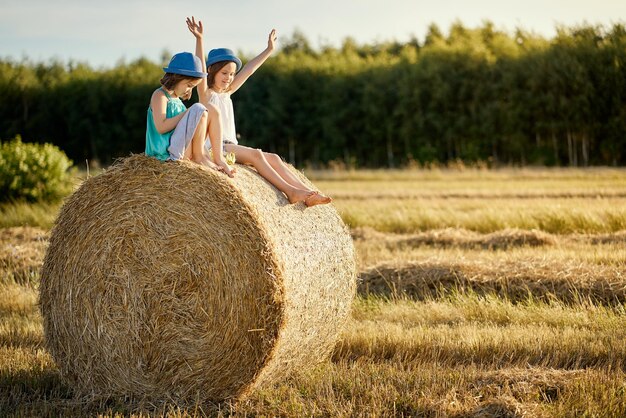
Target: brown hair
x: 169, y: 80
x: 213, y: 70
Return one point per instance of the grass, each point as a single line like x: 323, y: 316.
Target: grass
x: 558, y: 201
x: 40, y: 215
x: 461, y: 355
x: 481, y: 293
x: 21, y: 254
x: 516, y: 265
x: 485, y: 215
x: 488, y: 332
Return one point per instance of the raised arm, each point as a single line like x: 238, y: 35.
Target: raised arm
x: 254, y: 63
x: 196, y: 29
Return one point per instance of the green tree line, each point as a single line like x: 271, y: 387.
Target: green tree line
x: 473, y: 94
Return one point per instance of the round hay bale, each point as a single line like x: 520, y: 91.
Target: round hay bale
x: 168, y: 281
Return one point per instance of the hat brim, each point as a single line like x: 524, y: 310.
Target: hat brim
x: 181, y: 71
x: 225, y: 57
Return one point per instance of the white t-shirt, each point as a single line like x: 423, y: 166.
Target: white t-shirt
x: 223, y: 102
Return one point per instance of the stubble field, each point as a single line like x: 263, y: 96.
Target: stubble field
x: 481, y: 293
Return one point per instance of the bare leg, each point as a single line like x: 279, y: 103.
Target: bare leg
x: 256, y: 158
x: 197, y: 141
x: 187, y: 153
x: 279, y: 166
x: 214, y: 133
x: 214, y: 126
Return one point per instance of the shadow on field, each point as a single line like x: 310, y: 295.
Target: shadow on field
x: 25, y: 339
x: 462, y: 238
x: 43, y: 393
x: 425, y: 281
x: 35, y: 393
x: 458, y: 238
x: 615, y: 238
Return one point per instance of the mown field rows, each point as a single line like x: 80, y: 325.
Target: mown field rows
x: 481, y: 313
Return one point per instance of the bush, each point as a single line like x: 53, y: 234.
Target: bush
x: 33, y: 172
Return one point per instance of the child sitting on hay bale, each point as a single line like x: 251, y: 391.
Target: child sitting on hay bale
x: 224, y: 78
x: 174, y: 132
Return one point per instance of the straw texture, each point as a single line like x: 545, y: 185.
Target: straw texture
x: 168, y: 281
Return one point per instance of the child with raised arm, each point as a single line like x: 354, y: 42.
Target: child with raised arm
x: 224, y: 78
x: 174, y: 132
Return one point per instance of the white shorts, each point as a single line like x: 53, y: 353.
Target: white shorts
x: 183, y: 133
x: 207, y: 145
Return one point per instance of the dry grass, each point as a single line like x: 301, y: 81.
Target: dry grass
x: 587, y: 250
x: 488, y: 332
x: 525, y: 178
x: 558, y: 216
x: 21, y: 254
x: 395, y: 389
x: 515, y: 281
x: 463, y: 356
x: 460, y: 238
x: 500, y: 319
x: 516, y: 265
x: 39, y: 215
x: 558, y: 201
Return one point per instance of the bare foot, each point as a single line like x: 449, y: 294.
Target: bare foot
x: 210, y: 164
x: 228, y: 170
x: 316, y: 198
x: 299, y: 195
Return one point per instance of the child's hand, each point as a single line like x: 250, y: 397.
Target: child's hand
x: 210, y: 164
x: 195, y: 28
x: 271, y: 40
x: 228, y: 170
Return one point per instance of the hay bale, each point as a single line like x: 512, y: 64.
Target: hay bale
x: 167, y: 281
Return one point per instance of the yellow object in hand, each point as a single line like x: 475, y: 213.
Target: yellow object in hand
x: 229, y: 157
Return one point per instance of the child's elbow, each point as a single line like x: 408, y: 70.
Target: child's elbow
x: 162, y: 129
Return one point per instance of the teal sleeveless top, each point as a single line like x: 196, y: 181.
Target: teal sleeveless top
x: 157, y: 143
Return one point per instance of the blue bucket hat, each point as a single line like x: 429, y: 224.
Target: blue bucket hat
x: 185, y: 63
x: 222, y: 54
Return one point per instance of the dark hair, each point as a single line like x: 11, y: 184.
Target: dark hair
x: 213, y: 70
x: 169, y: 80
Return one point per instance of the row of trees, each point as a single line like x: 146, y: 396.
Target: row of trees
x: 470, y: 94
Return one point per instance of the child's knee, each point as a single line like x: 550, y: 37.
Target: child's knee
x: 198, y: 107
x: 271, y: 157
x: 212, y: 108
x: 213, y: 111
x: 198, y: 112
x: 257, y: 155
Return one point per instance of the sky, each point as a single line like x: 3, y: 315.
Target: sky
x: 106, y: 32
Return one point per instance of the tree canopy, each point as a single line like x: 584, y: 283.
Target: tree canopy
x: 474, y: 94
